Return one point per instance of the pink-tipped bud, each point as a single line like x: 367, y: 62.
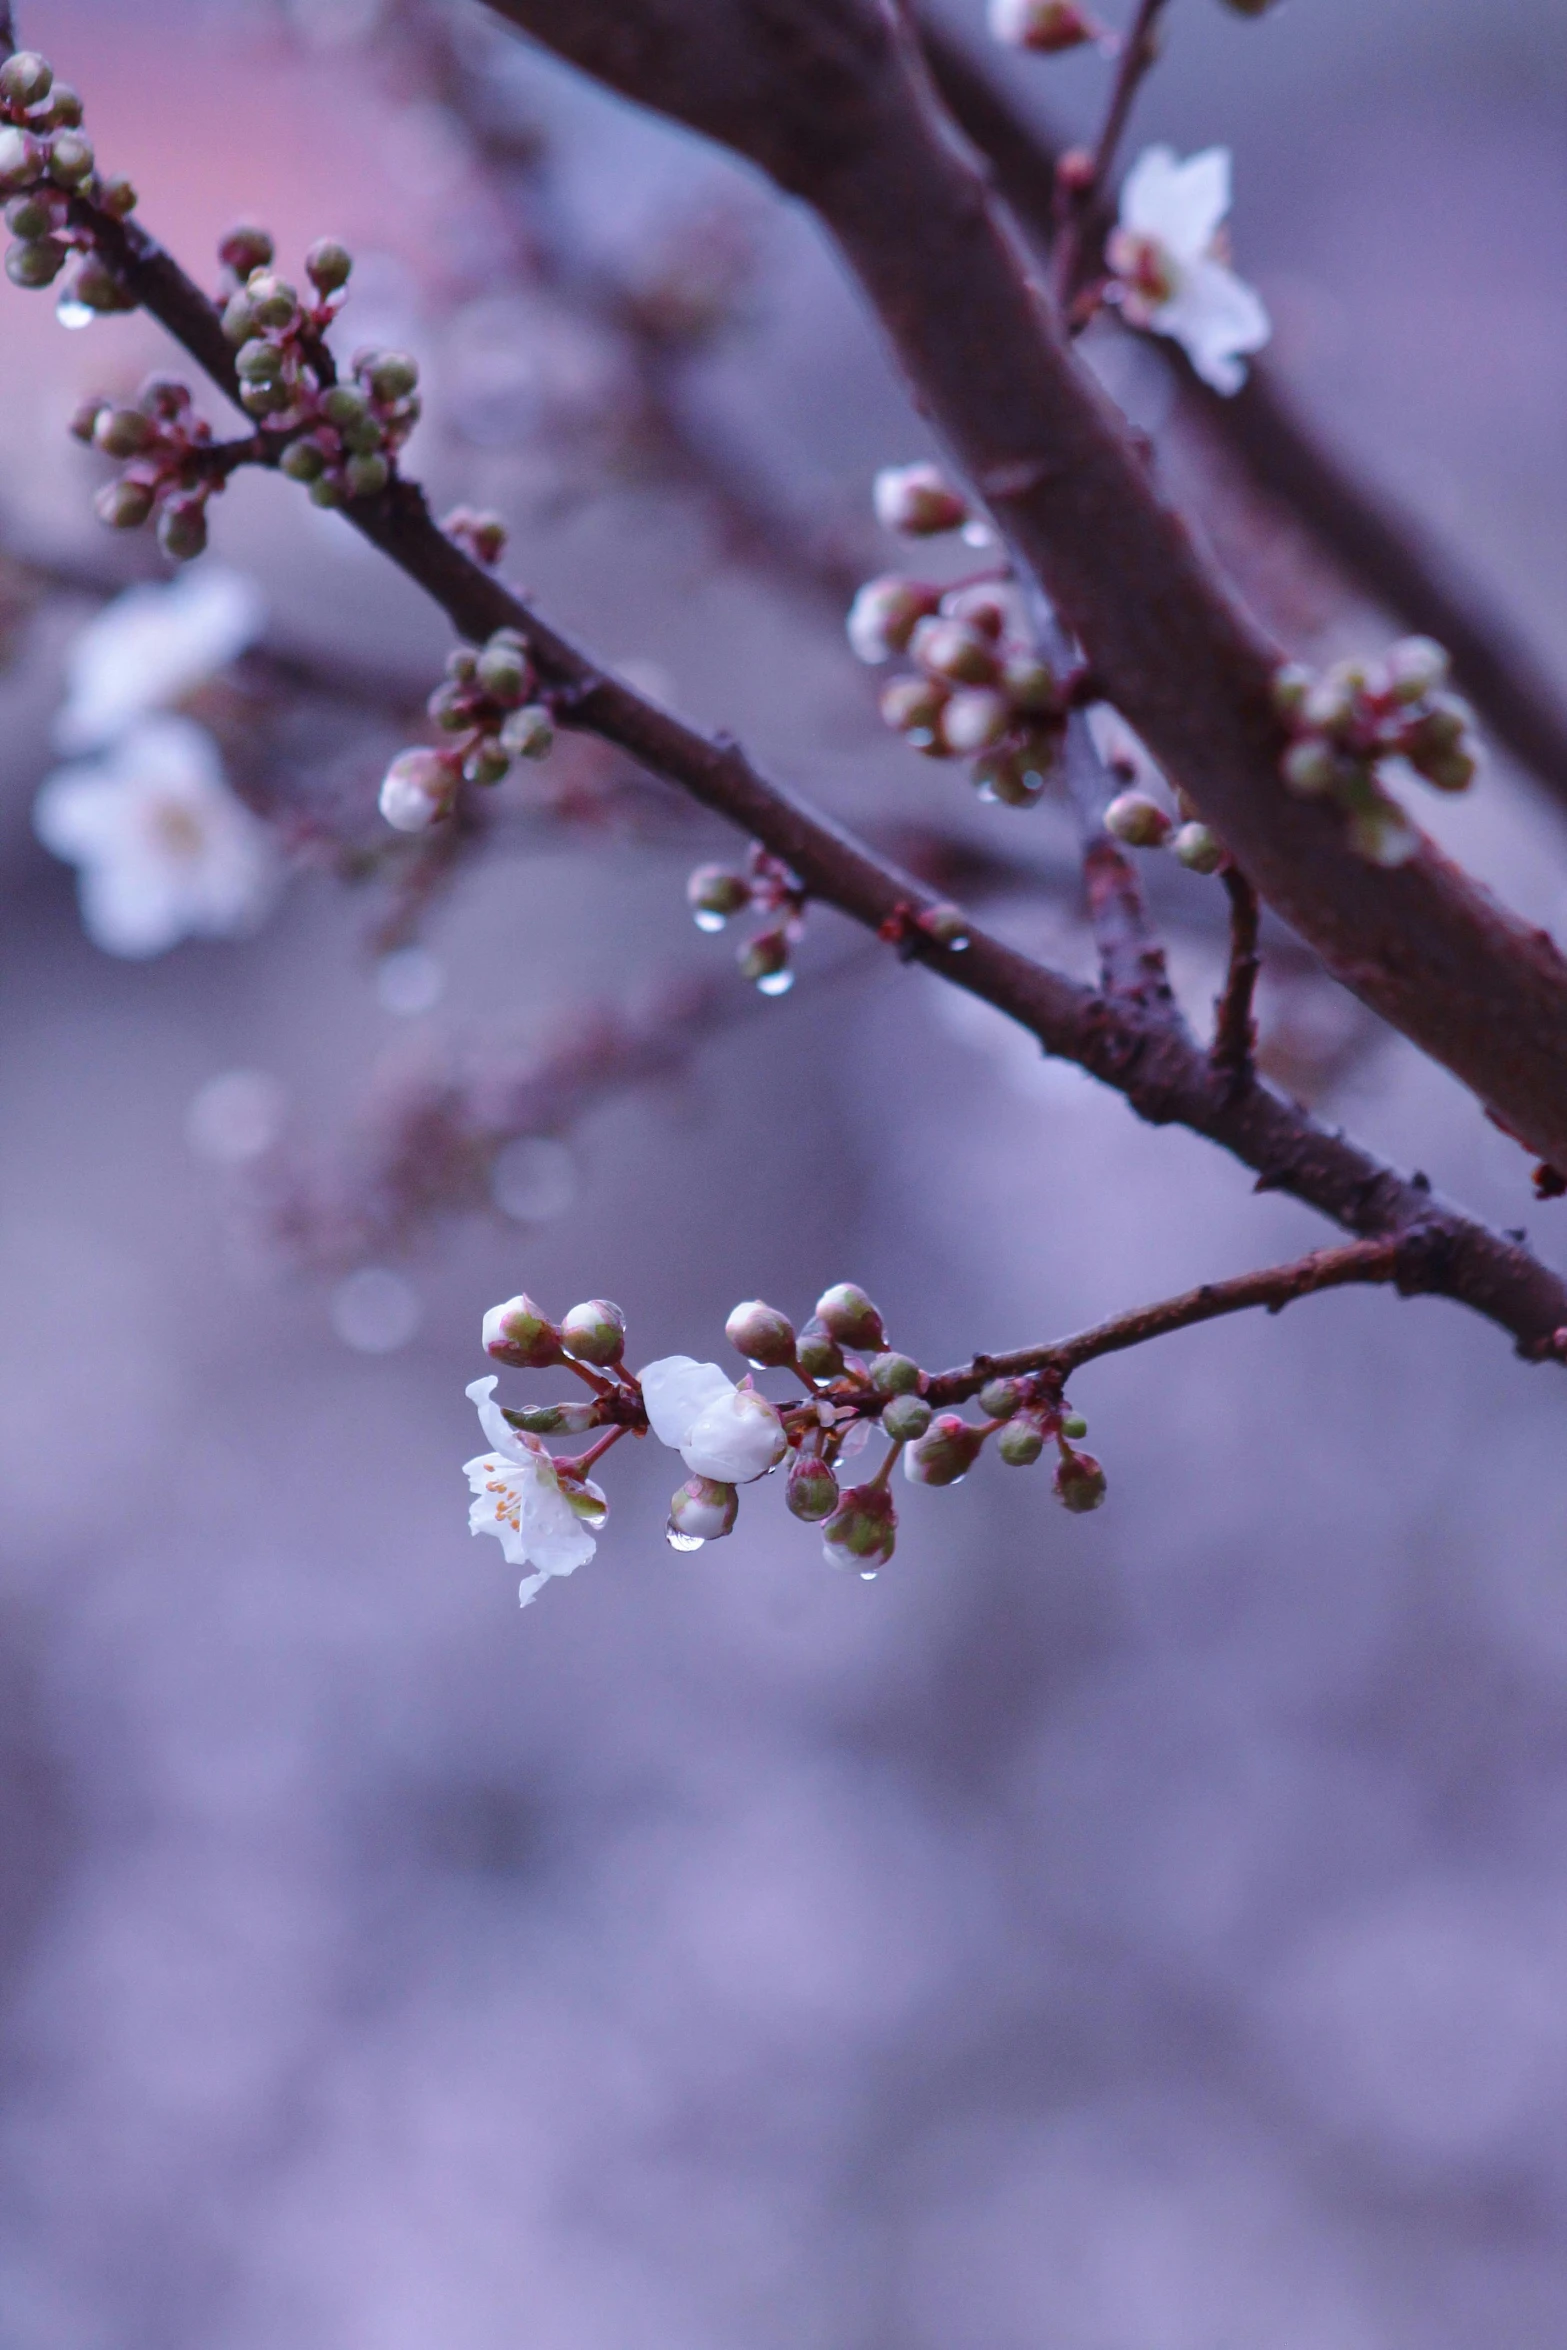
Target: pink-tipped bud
x: 1031, y: 685
x: 594, y: 1333
x: 812, y: 1490
x: 863, y: 1530
x: 818, y: 1355
x: 702, y: 1510
x: 945, y: 1453
x: 762, y: 1334
x: 521, y: 1335
x: 328, y: 265
x: 1079, y: 1482
x: 884, y: 614
x: 905, y: 1418
x: 1047, y: 26
x: 913, y: 705
x: 1198, y: 848
x: 954, y: 652
x: 986, y: 606
x: 917, y: 500
x: 245, y: 249
x: 1137, y: 821
x: 847, y: 1315
x: 974, y: 720
x: 417, y: 791
x: 26, y: 78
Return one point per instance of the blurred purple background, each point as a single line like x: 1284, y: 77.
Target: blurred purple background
x: 1140, y: 1933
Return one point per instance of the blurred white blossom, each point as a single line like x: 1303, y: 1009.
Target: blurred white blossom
x: 1168, y: 255
x: 164, y: 849
x: 721, y: 1431
x: 150, y: 646
x: 518, y: 1498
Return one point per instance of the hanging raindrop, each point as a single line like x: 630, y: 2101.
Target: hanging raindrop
x: 776, y: 983
x: 72, y: 312
x: 678, y: 1541
x: 706, y: 919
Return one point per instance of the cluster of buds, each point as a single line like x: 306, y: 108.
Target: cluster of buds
x: 1347, y: 723
x: 715, y: 894
x: 486, y: 703
x: 45, y: 161
x: 729, y: 1434
x: 343, y: 437
x: 977, y: 689
x: 1139, y: 822
x: 166, y: 474
x: 1047, y: 26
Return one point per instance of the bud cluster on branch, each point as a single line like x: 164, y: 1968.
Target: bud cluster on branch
x: 1358, y: 716
x: 716, y: 894
x: 488, y: 706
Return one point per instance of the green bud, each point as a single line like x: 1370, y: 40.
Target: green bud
x: 65, y: 108
x: 328, y: 265
x: 1030, y: 684
x: 1416, y: 666
x: 529, y: 733
x: 863, y: 1529
x: 451, y: 706
x: 123, y: 432
x: 761, y: 1333
x: 812, y: 1489
x: 326, y: 492
x: 913, y: 706
x: 818, y: 1355
x: 26, y: 78
x: 953, y: 652
x: 702, y: 1510
x: 70, y: 158
x: 945, y: 1453
x: 520, y: 1334
x: 1079, y: 1482
x: 462, y: 664
x: 1198, y: 848
x: 245, y: 249
x: 505, y: 674
x: 764, y: 960
x: 239, y: 318
x: 1137, y: 821
x: 487, y: 763
x: 36, y: 263
x: 36, y: 214
x: 259, y: 362
x: 123, y: 505
x: 182, y: 528
x: 555, y: 1419
x: 1288, y: 688
x: 366, y: 477
x: 892, y: 1374
x: 1020, y: 1443
x: 273, y: 300
x: 1076, y: 1425
x: 303, y: 460
x: 1009, y: 779
x: 84, y: 422
x: 1312, y: 768
x: 846, y: 1314
x: 391, y: 375
x: 344, y: 405
x: 363, y: 435
x: 906, y: 1417
x: 999, y: 1398
x: 594, y: 1333
x: 96, y: 284
x: 264, y: 399
x: 714, y: 894
x: 118, y: 197
x: 21, y: 159
x: 975, y: 719
x: 949, y: 926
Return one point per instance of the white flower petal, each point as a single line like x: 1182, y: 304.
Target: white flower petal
x: 1216, y: 318
x: 738, y: 1438
x: 505, y: 1438
x: 151, y: 645
x: 677, y: 1390
x: 1180, y: 204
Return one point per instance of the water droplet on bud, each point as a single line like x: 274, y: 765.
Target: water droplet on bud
x: 868, y: 1574
x: 776, y: 983
x: 978, y: 534
x: 684, y: 1541
x: 72, y: 313
x: 705, y: 919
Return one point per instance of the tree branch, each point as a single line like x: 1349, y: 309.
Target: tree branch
x: 1165, y: 1077
x: 1235, y: 1031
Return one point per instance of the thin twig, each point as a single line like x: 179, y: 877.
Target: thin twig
x: 1235, y: 1030
x: 1392, y: 1261
x: 1080, y: 200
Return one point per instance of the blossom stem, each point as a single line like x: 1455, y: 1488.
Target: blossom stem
x: 1139, y: 50
x: 578, y: 1464
x: 879, y: 1481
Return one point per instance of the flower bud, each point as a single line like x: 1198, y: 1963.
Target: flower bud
x: 363, y: 435
x: 818, y: 1354
x: 418, y: 787
x: 999, y: 1398
x: 917, y: 500
x: 1416, y: 666
x: 119, y: 197
x: 714, y: 894
x: 273, y: 300
x: 892, y: 1374
x: 505, y: 673
x: 328, y: 265
x: 1312, y: 768
x: 1079, y: 1482
x: 366, y: 477
x: 21, y: 159
x: 122, y: 432
x: 519, y: 1334
x: 555, y: 1419
x: 1198, y: 848
x: 1010, y: 778
x: 913, y: 705
x: 906, y: 1417
x: 26, y: 78
x: 883, y: 616
x: 594, y: 1333
x: 245, y: 249
x: 1441, y: 728
x: 165, y: 397
x: 1329, y: 704
x: 1020, y: 1443
x: 1049, y: 26
x: 812, y: 1490
x: 983, y: 605
x: 949, y: 926
x: 124, y: 505
x: 37, y: 213
x: 945, y: 1453
x: 863, y: 1530
x: 391, y: 375
x: 36, y: 263
x: 1288, y: 688
x: 1452, y: 771
x: 453, y: 707
x: 182, y: 528
x: 1383, y: 834
x: 529, y: 733
x: 975, y: 719
x: 264, y: 399
x: 96, y: 285
x: 951, y: 650
x: 762, y: 1334
x: 326, y: 492
x: 703, y: 1510
x: 764, y: 960
x: 344, y: 405
x: 488, y: 763
x: 303, y: 460
x: 1074, y: 1425
x: 846, y: 1314
x: 259, y: 362
x: 1137, y: 821
x: 65, y: 110
x: 84, y: 420
x: 70, y: 158
x: 1030, y: 684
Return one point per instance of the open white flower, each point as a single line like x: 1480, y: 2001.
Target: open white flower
x: 518, y: 1497
x: 164, y: 848
x: 151, y: 645
x: 1168, y: 258
x: 722, y: 1431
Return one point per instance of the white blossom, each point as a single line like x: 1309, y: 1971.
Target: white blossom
x: 1168, y: 256
x: 728, y: 1433
x: 150, y: 646
x: 518, y: 1497
x: 164, y: 849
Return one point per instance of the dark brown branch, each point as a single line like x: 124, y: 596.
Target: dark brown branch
x: 1131, y: 961
x: 1393, y: 1261
x: 1235, y: 1030
x: 1382, y: 549
x: 1144, y: 1056
x: 1078, y: 203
